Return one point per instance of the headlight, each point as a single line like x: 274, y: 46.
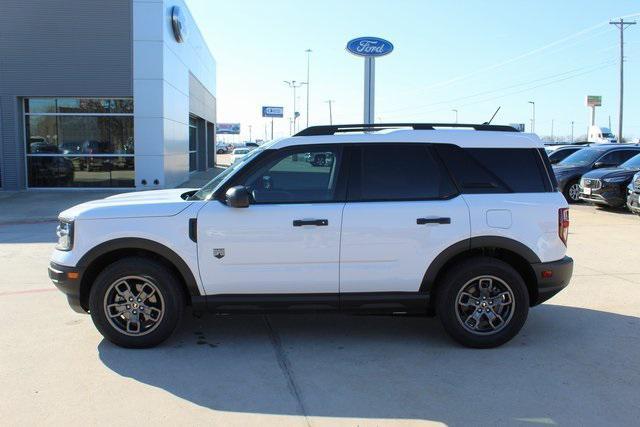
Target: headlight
x: 65, y: 235
x: 615, y: 180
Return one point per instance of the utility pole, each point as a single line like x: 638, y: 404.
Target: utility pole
x: 308, y: 59
x: 249, y: 133
x: 330, y: 101
x: 621, y: 25
x: 456, y: 111
x: 533, y: 117
x: 552, y: 120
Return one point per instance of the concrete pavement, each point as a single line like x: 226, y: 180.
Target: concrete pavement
x: 574, y: 363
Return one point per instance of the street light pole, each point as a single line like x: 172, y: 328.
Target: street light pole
x: 571, y: 130
x: 330, y: 101
x: 294, y: 85
x: 456, y: 111
x: 533, y: 117
x: 249, y: 133
x: 308, y: 61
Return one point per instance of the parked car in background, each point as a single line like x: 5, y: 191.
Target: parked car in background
x: 633, y: 194
x: 239, y: 153
x: 557, y: 153
x: 222, y: 148
x: 251, y: 145
x: 608, y: 186
x: 569, y: 171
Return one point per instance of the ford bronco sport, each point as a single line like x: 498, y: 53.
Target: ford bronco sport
x: 461, y: 221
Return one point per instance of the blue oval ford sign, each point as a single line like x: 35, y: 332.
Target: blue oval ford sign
x: 369, y: 46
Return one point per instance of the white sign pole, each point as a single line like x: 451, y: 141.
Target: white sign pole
x: 369, y: 88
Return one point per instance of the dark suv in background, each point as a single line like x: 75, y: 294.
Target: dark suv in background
x: 569, y: 171
x: 633, y: 194
x: 608, y: 186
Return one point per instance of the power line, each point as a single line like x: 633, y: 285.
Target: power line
x: 588, y: 70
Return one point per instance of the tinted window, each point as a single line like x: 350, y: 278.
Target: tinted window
x: 495, y: 170
x: 296, y: 176
x: 399, y: 172
x: 618, y: 156
x: 561, y: 154
x: 583, y: 157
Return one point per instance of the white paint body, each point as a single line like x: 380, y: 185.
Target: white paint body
x: 366, y: 246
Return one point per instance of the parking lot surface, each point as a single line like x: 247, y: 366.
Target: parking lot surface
x: 574, y: 363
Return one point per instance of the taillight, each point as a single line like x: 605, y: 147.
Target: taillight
x: 563, y: 224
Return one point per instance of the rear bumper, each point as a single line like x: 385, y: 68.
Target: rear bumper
x: 68, y: 284
x: 561, y: 272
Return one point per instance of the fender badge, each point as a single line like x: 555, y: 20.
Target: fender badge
x: 218, y: 252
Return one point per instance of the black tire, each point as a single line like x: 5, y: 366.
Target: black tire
x: 462, y: 276
x: 568, y: 193
x: 170, y: 298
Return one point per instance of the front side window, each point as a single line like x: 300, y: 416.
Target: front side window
x: 301, y: 175
x: 618, y: 156
x: 388, y: 172
x: 79, y: 142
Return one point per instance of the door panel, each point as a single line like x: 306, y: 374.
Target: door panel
x: 265, y: 253
x: 384, y: 249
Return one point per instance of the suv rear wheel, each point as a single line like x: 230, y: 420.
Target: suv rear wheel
x: 136, y: 302
x: 482, y: 302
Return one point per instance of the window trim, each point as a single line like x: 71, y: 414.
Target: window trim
x: 356, y: 156
x: 339, y: 195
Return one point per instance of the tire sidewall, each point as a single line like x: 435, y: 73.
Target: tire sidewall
x: 566, y: 192
x: 167, y: 284
x: 456, y: 278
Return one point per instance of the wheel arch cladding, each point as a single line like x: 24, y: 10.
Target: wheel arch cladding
x: 514, y: 253
x: 94, y: 261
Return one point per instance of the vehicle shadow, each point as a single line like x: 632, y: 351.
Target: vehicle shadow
x: 568, y: 365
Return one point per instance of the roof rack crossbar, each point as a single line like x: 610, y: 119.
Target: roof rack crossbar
x: 333, y: 129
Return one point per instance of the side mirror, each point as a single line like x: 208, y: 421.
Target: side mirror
x: 237, y: 197
x: 598, y: 165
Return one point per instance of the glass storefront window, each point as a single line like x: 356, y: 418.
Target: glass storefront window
x: 193, y: 144
x: 68, y: 171
x: 79, y: 142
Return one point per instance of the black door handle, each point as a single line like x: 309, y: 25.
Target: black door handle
x: 441, y: 220
x: 317, y: 222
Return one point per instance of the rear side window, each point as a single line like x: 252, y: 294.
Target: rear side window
x: 496, y: 170
x: 387, y: 172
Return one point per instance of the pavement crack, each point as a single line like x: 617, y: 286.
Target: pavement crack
x: 285, y: 366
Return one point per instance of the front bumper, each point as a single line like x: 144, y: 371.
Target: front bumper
x: 605, y: 196
x: 551, y: 284
x: 68, y: 280
x: 633, y: 202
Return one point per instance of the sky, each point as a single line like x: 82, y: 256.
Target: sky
x: 473, y: 56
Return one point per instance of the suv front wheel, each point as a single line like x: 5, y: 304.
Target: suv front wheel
x: 482, y: 302
x: 136, y: 302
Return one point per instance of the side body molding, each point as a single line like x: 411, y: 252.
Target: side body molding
x: 148, y: 245
x: 458, y: 248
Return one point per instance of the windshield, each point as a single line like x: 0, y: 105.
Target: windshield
x: 209, y: 188
x: 582, y: 157
x: 632, y: 163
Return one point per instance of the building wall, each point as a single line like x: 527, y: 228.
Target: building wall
x: 80, y: 48
x: 166, y: 75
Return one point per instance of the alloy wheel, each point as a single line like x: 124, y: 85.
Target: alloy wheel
x: 574, y: 192
x: 134, y: 305
x: 485, y: 305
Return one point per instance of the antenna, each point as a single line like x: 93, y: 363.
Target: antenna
x: 492, y: 117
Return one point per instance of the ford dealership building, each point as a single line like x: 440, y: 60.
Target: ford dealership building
x: 103, y: 94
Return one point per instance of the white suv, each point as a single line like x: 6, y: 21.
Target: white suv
x: 417, y: 219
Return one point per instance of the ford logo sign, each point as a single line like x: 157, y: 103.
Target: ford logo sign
x: 369, y: 46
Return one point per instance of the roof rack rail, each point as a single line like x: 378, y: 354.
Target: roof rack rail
x: 333, y: 129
